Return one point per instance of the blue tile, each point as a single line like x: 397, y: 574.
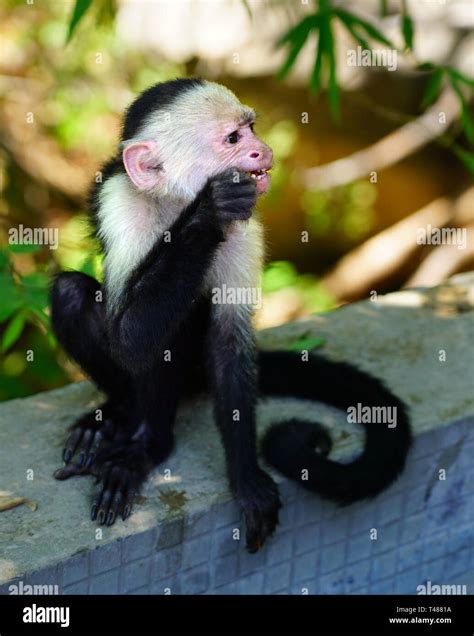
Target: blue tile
x: 195, y: 581
x: 135, y: 575
x: 287, y: 516
x: 138, y: 546
x: 460, y: 537
x: 308, y: 510
x: 169, y: 534
x: 413, y: 528
x: 106, y: 557
x: 332, y: 557
x: 279, y: 548
x: 225, y: 569
x: 384, y: 565
x: 433, y: 571
x: 335, y: 528
x: 166, y: 562
x: 357, y: 575
x: 382, y: 587
x: 226, y: 513
x: 360, y: 547
x: 106, y: 583
x: 249, y: 563
x: 223, y: 541
x: 362, y: 518
x: 277, y: 578
x: 197, y: 524
x: 387, y: 538
x: 409, y: 555
x: 435, y: 546
x: 252, y: 584
x: 407, y: 582
x: 333, y: 583
x: 196, y: 551
x: 415, y: 500
x: 389, y: 509
x: 457, y: 563
x: 305, y: 566
x: 76, y: 568
x: 306, y: 538
x: 80, y: 587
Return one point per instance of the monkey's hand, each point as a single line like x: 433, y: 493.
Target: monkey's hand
x: 88, y: 437
x: 232, y: 195
x: 260, y: 503
x: 120, y: 475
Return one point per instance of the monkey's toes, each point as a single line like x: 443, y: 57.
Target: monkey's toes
x: 114, y: 497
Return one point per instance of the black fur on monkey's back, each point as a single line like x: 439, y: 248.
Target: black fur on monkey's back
x: 290, y: 446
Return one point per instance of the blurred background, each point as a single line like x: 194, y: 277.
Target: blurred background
x: 365, y: 157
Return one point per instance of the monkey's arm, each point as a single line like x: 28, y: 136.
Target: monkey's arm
x: 161, y: 291
x: 233, y: 373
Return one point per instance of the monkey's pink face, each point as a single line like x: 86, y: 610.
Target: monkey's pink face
x: 237, y: 146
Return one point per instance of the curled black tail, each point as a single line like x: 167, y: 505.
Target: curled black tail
x: 290, y: 446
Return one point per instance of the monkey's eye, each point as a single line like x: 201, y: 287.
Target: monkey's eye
x: 233, y: 138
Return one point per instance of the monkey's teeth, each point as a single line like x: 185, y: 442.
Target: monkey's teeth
x: 258, y: 174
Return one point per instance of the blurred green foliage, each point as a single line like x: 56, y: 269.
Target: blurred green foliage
x: 321, y: 24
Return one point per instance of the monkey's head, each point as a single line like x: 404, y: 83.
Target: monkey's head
x: 178, y: 134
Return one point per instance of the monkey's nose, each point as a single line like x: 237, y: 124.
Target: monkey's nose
x: 254, y: 155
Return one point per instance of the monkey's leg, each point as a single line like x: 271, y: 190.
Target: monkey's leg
x: 78, y: 322
x: 123, y: 467
x: 233, y: 374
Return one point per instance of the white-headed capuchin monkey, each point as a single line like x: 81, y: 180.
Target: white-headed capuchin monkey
x: 175, y: 217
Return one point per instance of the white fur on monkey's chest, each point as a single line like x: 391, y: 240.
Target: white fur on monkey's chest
x: 130, y: 226
x: 238, y: 261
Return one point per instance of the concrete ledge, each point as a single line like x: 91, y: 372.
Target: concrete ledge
x: 181, y: 538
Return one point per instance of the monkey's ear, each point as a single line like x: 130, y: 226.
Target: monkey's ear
x: 140, y: 164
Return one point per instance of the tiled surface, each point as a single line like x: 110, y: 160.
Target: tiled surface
x: 421, y: 528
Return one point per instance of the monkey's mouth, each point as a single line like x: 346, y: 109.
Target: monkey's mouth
x: 262, y: 179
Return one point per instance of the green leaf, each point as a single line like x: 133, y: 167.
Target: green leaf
x: 465, y: 156
x: 305, y: 344
x: 78, y: 13
x: 333, y: 88
x: 371, y: 31
x: 408, y: 30
x: 4, y: 261
x: 433, y: 87
x: 22, y: 248
x: 426, y: 66
x: 348, y: 23
x: 13, y: 331
x: 464, y: 79
x: 315, y: 79
x: 300, y: 29
x: 8, y: 307
x: 467, y: 124
x: 296, y: 37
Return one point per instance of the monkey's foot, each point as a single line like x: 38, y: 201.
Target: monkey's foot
x: 260, y: 503
x: 90, y: 434
x: 120, y: 477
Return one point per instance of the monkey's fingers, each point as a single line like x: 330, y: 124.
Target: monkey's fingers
x: 72, y: 443
x: 93, y: 448
x: 115, y: 497
x: 71, y: 470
